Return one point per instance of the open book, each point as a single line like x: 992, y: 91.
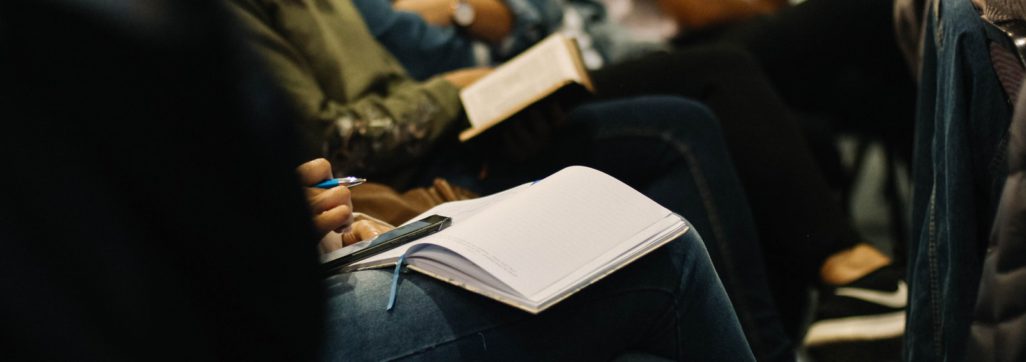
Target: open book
x: 534, y: 74
x: 534, y: 245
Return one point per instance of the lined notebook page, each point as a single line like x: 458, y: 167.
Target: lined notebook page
x: 528, y: 240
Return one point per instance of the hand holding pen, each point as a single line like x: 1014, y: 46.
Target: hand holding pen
x: 330, y: 204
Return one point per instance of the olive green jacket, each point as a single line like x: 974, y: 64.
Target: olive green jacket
x: 355, y: 99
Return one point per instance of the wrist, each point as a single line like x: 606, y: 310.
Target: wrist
x: 462, y: 13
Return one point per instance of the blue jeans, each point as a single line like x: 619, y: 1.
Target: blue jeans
x: 668, y: 304
x: 962, y: 118
x: 670, y: 149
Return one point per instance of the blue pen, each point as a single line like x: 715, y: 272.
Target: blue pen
x: 347, y: 181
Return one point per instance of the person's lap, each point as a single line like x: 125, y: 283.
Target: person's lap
x: 669, y: 303
x: 672, y: 150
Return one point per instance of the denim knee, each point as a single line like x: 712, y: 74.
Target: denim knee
x: 676, y: 118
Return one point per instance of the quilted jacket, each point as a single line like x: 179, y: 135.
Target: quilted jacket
x: 999, y: 329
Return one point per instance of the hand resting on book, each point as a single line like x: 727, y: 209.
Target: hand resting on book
x: 360, y: 230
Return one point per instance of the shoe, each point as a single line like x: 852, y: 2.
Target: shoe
x: 871, y: 308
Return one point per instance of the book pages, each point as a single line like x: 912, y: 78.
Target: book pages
x: 539, y: 243
x: 522, y: 81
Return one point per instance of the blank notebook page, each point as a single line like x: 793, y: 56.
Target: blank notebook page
x: 520, y: 242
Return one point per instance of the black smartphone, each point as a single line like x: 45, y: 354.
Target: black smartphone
x: 386, y: 241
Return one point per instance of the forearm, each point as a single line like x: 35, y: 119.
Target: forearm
x: 492, y: 23
x: 494, y: 20
x: 424, y: 50
x: 699, y: 14
x: 388, y: 122
x: 375, y: 134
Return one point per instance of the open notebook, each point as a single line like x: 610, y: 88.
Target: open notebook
x: 535, y: 245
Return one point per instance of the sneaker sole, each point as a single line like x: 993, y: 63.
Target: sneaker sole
x: 859, y: 328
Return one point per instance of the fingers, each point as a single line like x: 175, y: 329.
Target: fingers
x: 314, y: 171
x: 330, y: 244
x: 363, y: 230
x: 333, y: 208
x: 324, y: 200
x: 335, y: 218
x: 351, y: 236
x: 357, y: 232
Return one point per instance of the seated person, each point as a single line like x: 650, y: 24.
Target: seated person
x: 668, y: 304
x: 800, y: 221
x: 183, y: 234
x: 372, y: 120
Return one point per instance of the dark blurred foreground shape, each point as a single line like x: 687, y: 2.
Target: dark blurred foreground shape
x: 148, y: 207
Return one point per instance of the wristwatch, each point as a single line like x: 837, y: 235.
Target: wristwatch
x: 463, y: 14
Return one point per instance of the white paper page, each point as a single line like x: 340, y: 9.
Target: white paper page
x: 538, y: 70
x: 617, y: 255
x: 564, y: 222
x: 448, y: 266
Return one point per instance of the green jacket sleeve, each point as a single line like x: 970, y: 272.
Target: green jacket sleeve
x: 363, y: 111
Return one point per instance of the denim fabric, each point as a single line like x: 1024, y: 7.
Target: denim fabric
x: 533, y: 20
x: 669, y: 304
x: 423, y: 49
x: 426, y: 50
x: 672, y: 150
x: 962, y: 117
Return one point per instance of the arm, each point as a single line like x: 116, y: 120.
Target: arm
x: 423, y: 49
x: 532, y: 20
x: 697, y: 14
x: 493, y: 20
x: 368, y: 132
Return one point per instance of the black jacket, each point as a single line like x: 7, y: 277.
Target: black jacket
x: 999, y: 330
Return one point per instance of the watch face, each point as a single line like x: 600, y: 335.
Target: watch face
x: 463, y: 15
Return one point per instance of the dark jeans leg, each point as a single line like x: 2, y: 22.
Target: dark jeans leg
x: 799, y: 218
x: 837, y: 63
x: 672, y: 150
x: 668, y: 304
x: 835, y: 58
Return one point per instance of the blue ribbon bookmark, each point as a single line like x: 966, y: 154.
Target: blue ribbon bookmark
x: 394, y: 290
x: 393, y: 294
